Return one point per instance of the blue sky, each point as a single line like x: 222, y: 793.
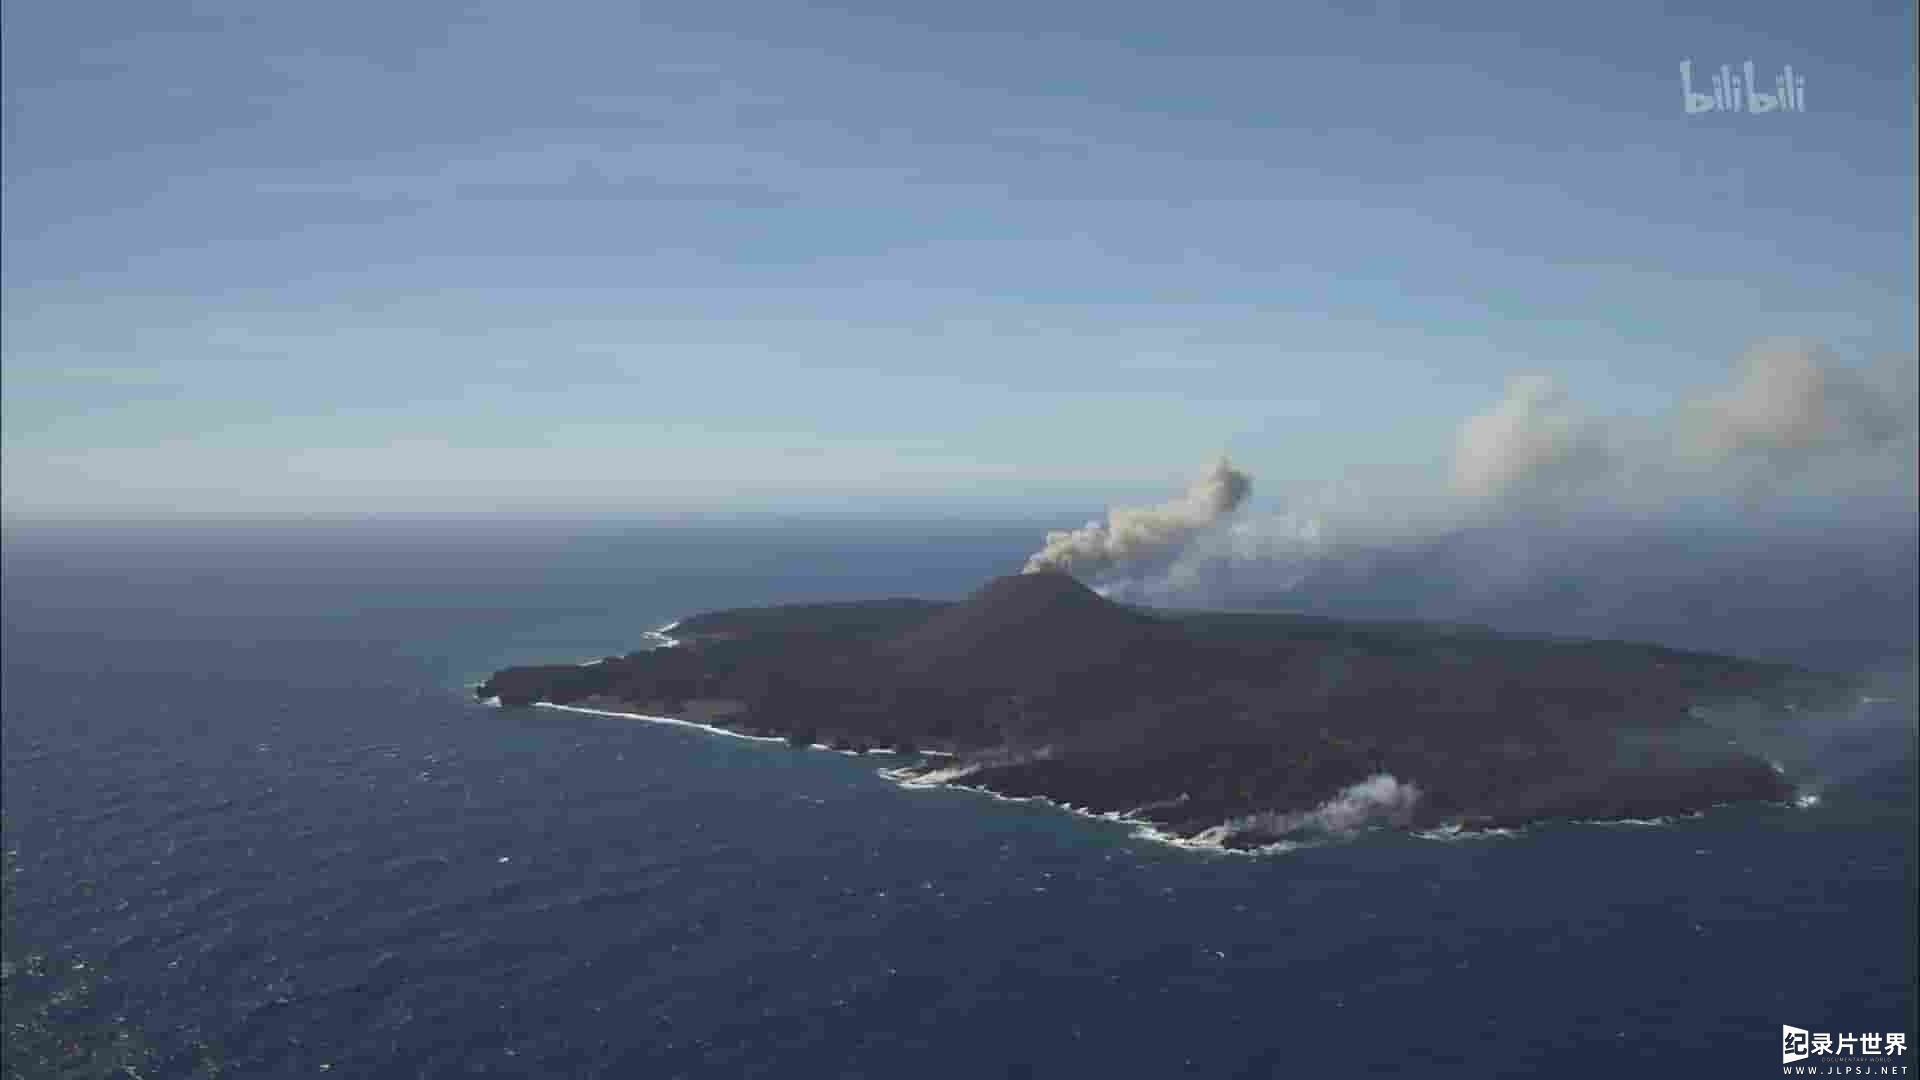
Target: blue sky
x: 424, y: 257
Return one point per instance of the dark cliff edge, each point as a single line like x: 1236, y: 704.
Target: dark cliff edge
x: 1189, y: 720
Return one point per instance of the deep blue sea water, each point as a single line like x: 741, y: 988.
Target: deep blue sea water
x: 243, y: 778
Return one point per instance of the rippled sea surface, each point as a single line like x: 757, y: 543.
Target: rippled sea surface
x: 244, y: 783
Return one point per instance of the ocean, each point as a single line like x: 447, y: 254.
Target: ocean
x: 246, y: 788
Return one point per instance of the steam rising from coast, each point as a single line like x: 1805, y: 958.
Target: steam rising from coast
x: 1380, y: 799
x: 1132, y: 534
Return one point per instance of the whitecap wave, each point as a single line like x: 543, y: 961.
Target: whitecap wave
x: 1453, y: 831
x: 676, y: 721
x: 1141, y: 828
x: 662, y: 638
x: 712, y: 729
x: 913, y: 778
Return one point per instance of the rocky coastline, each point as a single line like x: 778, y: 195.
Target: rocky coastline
x: 1233, y: 730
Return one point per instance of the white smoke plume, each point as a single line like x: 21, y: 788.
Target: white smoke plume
x: 1789, y: 488
x: 1528, y: 447
x: 1132, y: 534
x: 1792, y: 412
x: 1380, y: 799
x: 1790, y: 406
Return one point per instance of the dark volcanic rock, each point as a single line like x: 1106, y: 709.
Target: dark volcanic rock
x: 1025, y: 631
x: 1191, y: 719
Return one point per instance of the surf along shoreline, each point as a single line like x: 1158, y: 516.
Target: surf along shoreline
x: 927, y: 774
x: 1004, y: 693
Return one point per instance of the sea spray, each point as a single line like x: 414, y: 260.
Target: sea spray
x: 946, y: 775
x: 711, y: 729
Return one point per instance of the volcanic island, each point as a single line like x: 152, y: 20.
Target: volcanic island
x: 1233, y: 729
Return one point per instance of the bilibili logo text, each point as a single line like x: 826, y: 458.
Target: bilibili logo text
x: 1732, y: 93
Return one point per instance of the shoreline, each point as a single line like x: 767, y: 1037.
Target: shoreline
x: 663, y: 639
x: 904, y: 778
x: 715, y: 729
x: 929, y: 777
x: 709, y: 728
